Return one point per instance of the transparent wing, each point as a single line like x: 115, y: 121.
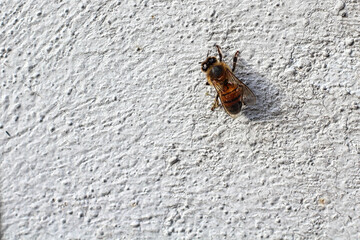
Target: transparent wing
x: 224, y: 90
x: 249, y: 97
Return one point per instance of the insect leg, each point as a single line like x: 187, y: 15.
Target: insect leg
x: 235, y: 60
x: 216, y: 103
x: 208, y: 53
x: 219, y: 51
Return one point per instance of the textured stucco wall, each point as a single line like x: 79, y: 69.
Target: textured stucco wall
x: 106, y: 130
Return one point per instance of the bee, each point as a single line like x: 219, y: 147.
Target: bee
x: 232, y: 92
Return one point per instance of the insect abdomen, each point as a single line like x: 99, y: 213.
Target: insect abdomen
x: 231, y: 100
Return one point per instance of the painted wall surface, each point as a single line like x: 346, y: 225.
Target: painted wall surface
x: 106, y: 129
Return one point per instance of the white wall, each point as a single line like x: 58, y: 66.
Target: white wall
x: 110, y: 133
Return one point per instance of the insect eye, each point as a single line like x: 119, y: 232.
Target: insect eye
x: 212, y: 60
x: 204, y: 67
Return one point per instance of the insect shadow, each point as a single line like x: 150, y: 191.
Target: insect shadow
x: 268, y: 96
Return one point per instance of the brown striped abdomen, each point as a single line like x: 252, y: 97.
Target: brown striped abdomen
x: 231, y: 98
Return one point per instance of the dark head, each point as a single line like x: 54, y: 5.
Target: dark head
x: 207, y: 63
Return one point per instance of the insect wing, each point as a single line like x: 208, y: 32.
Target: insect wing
x: 249, y: 97
x: 220, y: 91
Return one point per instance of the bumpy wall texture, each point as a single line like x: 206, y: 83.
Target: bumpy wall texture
x: 106, y: 130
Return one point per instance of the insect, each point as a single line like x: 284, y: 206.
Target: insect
x: 232, y: 92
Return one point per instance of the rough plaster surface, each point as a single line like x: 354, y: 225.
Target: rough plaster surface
x: 106, y: 130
